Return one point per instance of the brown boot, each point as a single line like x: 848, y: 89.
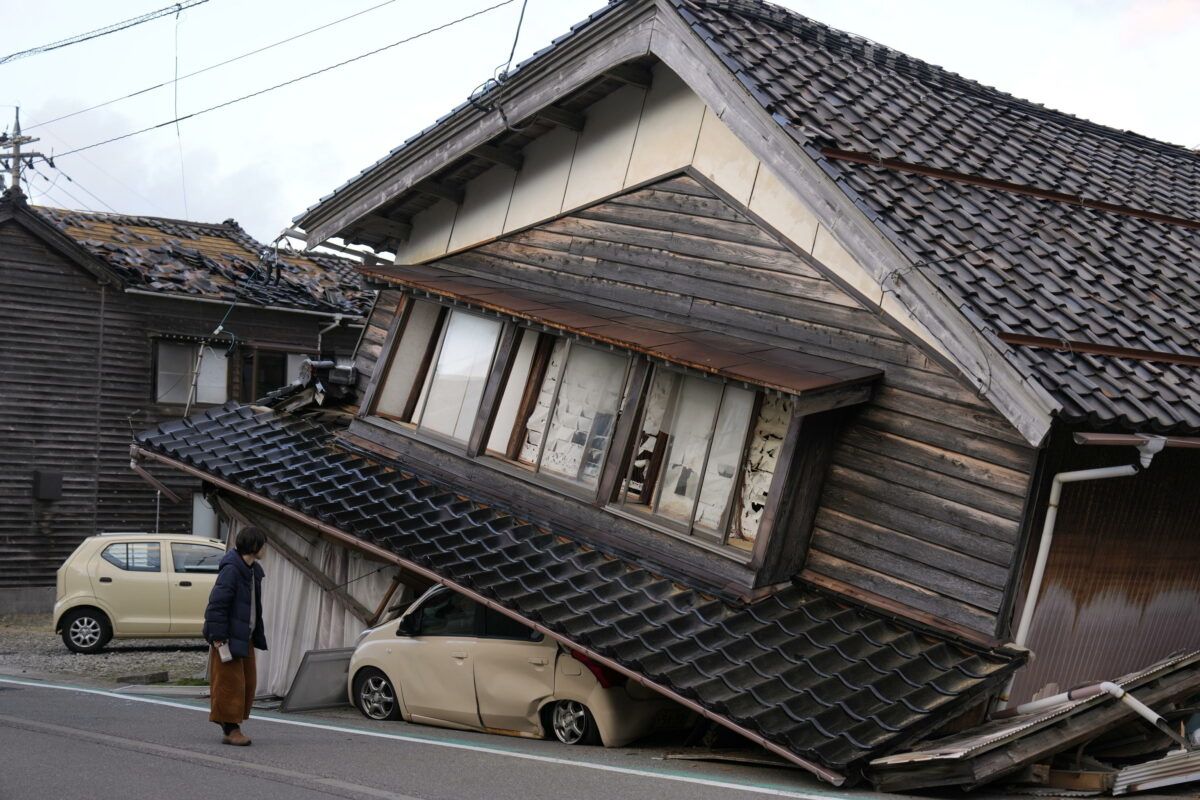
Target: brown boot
x: 236, y: 738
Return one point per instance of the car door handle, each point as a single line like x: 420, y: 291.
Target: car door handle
x: 460, y: 655
x: 185, y: 583
x: 539, y: 662
x: 106, y: 580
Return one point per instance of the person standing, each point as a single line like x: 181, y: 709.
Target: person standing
x: 233, y: 617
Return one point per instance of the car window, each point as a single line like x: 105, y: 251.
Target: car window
x: 195, y: 557
x: 499, y: 626
x: 447, y: 614
x: 134, y: 556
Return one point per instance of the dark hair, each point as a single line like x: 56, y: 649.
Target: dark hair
x: 250, y: 541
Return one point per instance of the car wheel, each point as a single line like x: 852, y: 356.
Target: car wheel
x: 375, y: 696
x: 572, y: 723
x: 85, y: 630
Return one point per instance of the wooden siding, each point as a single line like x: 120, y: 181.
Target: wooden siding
x: 924, y: 499
x: 78, y: 362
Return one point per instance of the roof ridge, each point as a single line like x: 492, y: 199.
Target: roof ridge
x: 864, y: 47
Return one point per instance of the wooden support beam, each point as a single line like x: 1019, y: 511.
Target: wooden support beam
x: 361, y: 612
x: 383, y: 604
x: 441, y: 191
x: 376, y: 223
x: 504, y: 156
x: 631, y: 74
x: 561, y: 117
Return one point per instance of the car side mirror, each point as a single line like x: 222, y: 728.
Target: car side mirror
x: 409, y: 625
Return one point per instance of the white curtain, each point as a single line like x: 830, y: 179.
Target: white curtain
x: 299, y: 615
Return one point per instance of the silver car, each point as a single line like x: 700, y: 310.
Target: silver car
x: 451, y: 662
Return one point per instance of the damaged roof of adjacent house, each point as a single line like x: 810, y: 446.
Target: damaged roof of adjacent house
x: 209, y: 261
x: 825, y: 682
x: 1067, y: 246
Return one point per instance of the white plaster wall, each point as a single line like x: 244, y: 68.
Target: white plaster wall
x: 485, y: 205
x: 430, y: 234
x: 668, y: 130
x: 542, y: 181
x: 605, y: 147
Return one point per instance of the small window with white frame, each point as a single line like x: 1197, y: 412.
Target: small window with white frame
x: 438, y: 370
x: 181, y: 365
x: 559, y: 407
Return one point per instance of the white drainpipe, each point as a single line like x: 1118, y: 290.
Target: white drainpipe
x: 1147, y: 449
x: 1105, y: 687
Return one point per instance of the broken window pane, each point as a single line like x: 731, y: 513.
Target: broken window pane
x: 584, y: 413
x: 559, y: 407
x: 688, y: 461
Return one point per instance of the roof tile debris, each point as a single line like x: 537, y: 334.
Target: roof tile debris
x: 1015, y: 263
x: 216, y: 262
x: 832, y: 682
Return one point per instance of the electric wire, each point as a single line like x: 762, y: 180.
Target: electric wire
x: 292, y: 81
x: 211, y: 67
x: 113, y: 28
x: 78, y: 203
x: 84, y: 189
x: 150, y: 203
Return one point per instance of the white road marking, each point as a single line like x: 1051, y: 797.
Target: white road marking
x: 667, y: 776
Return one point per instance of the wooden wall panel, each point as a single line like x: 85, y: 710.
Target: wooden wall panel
x: 924, y: 499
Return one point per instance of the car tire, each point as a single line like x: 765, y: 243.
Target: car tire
x: 375, y: 696
x: 85, y: 630
x: 572, y: 723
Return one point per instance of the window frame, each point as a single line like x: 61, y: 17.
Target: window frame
x: 647, y: 513
x: 406, y: 421
x: 151, y: 547
x: 510, y: 461
x: 193, y: 345
x: 775, y: 521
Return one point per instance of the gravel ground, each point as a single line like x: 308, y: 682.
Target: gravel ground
x: 29, y: 645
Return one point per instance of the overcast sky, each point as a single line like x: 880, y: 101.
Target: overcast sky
x: 1131, y: 64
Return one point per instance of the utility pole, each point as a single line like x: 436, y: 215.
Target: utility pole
x: 13, y: 159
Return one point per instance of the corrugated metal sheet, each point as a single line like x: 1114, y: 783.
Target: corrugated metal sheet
x: 1173, y: 768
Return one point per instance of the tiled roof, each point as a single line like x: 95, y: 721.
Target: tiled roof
x: 827, y: 681
x: 216, y: 262
x: 721, y: 354
x: 1014, y: 262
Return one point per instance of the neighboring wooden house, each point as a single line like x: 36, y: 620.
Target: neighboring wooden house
x: 757, y: 305
x: 103, y: 321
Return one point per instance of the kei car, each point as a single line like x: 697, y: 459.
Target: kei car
x: 455, y: 663
x: 134, y: 585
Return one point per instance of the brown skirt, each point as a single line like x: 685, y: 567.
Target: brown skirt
x: 231, y: 687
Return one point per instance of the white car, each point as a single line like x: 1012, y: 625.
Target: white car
x: 135, y: 585
x: 451, y: 662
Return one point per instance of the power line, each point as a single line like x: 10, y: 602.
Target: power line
x: 82, y: 187
x: 78, y: 203
x: 214, y: 66
x: 113, y: 28
x: 290, y: 82
x: 150, y: 203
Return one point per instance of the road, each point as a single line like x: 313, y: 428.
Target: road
x: 62, y: 742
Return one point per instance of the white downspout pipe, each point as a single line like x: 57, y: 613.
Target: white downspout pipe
x: 1104, y: 687
x: 1148, y: 449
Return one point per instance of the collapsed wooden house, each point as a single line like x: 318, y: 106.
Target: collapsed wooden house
x: 747, y: 356
x: 104, y: 319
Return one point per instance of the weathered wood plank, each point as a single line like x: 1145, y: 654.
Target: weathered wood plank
x: 878, y: 511
x: 918, y: 500
x: 919, y: 561
x: 910, y: 594
x: 944, y: 487
x: 946, y: 434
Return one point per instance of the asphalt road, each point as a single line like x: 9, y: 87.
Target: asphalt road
x: 61, y: 742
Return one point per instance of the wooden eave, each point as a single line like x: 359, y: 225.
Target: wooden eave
x: 543, y: 82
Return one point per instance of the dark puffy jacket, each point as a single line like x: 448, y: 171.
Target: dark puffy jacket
x: 227, y: 617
